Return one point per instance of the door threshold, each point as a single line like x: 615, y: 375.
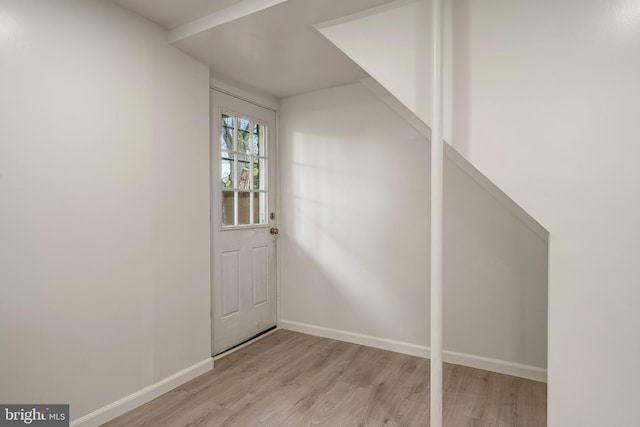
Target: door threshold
x: 245, y: 343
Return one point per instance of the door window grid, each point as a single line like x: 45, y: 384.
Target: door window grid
x: 244, y: 167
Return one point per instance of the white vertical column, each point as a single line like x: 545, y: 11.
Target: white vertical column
x: 437, y: 148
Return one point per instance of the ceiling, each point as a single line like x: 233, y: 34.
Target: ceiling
x: 273, y: 51
x: 173, y: 13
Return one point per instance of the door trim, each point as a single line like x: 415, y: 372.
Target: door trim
x: 279, y: 213
x: 241, y: 98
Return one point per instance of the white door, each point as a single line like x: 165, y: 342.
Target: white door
x: 243, y: 218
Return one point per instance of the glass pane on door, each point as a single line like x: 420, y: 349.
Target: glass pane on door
x: 244, y: 208
x: 259, y: 208
x: 243, y: 171
x: 226, y: 170
x: 228, y: 208
x: 227, y: 132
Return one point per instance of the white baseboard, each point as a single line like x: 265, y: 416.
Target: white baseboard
x: 382, y: 343
x: 496, y: 365
x: 119, y: 407
x: 478, y: 362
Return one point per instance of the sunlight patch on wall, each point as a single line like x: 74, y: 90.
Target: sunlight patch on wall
x: 8, y: 27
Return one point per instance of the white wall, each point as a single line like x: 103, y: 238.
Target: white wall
x: 396, y: 34
x: 349, y: 260
x: 495, y: 276
x: 104, y: 236
x: 543, y: 99
x: 548, y: 110
x: 354, y: 234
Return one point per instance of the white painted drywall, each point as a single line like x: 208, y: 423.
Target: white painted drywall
x: 354, y: 236
x: 104, y: 227
x: 349, y: 260
x: 548, y: 109
x: 395, y: 34
x: 495, y: 276
x: 543, y: 99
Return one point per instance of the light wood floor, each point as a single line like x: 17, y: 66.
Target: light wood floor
x: 292, y: 379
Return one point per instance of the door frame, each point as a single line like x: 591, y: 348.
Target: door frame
x: 213, y: 139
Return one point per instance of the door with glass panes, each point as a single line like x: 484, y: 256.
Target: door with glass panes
x: 243, y: 221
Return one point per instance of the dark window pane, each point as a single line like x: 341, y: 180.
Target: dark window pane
x: 259, y: 140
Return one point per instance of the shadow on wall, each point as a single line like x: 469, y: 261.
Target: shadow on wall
x: 495, y: 275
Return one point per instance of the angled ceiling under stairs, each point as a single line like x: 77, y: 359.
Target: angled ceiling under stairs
x: 267, y: 46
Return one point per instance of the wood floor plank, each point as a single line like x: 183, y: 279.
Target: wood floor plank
x: 315, y: 384
x: 404, y: 396
x: 297, y: 380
